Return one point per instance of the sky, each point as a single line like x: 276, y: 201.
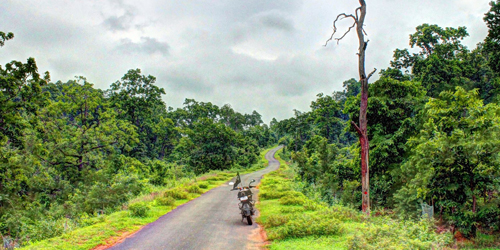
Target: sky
x: 258, y: 55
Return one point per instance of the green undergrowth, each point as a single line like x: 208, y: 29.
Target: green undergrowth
x: 140, y: 211
x: 293, y: 221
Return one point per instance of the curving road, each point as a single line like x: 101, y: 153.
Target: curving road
x: 211, y: 221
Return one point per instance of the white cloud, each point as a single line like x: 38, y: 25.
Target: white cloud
x: 256, y: 55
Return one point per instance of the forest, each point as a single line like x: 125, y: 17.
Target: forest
x: 69, y: 150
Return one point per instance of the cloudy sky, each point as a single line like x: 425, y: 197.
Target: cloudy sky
x: 253, y: 54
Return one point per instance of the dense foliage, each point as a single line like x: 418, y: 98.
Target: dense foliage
x: 433, y: 128
x: 69, y: 151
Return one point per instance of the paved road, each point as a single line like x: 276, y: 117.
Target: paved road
x: 211, y: 221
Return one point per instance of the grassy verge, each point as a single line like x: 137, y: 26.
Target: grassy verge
x: 293, y: 221
x: 109, y: 229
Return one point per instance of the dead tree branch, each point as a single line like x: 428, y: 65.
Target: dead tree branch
x: 371, y: 73
x: 343, y: 15
x: 357, y: 128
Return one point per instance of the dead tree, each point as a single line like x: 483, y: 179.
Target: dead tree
x: 358, y: 20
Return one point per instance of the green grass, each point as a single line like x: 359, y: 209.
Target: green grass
x: 108, y: 229
x: 293, y: 221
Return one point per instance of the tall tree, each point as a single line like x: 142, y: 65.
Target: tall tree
x: 455, y: 158
x: 141, y: 104
x: 442, y: 63
x: 20, y: 95
x: 358, y: 22
x: 79, y: 132
x: 492, y: 41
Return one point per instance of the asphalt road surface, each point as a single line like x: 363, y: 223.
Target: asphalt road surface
x: 211, y: 221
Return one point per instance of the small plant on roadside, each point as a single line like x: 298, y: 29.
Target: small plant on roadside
x: 176, y: 193
x: 275, y: 220
x: 311, y: 205
x: 139, y: 209
x: 293, y: 198
x: 165, y: 201
x: 203, y: 185
x: 290, y: 209
x: 270, y: 194
x: 305, y: 225
x: 194, y: 189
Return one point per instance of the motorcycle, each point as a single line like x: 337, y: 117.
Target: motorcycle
x: 246, y: 202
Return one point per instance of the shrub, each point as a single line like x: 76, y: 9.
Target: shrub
x: 217, y: 178
x: 311, y: 205
x: 203, y: 185
x: 87, y: 220
x: 289, y: 200
x: 275, y: 220
x: 288, y: 210
x: 293, y: 198
x: 194, y: 189
x: 139, y: 209
x: 165, y: 201
x: 176, y: 193
x: 399, y: 235
x: 271, y: 194
x: 305, y: 225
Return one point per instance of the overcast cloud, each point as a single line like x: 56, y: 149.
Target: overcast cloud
x: 255, y: 55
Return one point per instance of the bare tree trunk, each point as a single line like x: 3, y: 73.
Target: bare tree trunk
x: 363, y: 136
x: 363, y: 78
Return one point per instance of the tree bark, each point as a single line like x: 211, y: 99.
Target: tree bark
x: 363, y: 136
x: 359, y: 19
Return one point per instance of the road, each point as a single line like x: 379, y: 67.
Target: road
x: 211, y: 221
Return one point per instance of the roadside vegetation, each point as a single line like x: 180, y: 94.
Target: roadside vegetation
x: 433, y: 128
x: 72, y: 154
x: 108, y: 229
x: 294, y: 221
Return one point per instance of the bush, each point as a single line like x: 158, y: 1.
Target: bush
x: 87, y: 220
x: 305, y: 225
x: 165, y: 201
x: 293, y: 198
x: 275, y: 220
x: 288, y: 210
x: 217, y: 178
x: 271, y: 194
x: 139, y: 209
x: 176, y: 193
x: 488, y: 216
x: 194, y: 189
x: 352, y: 193
x: 203, y: 185
x: 311, y: 205
x: 288, y: 200
x: 399, y: 235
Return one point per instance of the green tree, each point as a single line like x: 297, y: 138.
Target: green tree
x: 492, y: 41
x: 5, y: 37
x: 141, y: 104
x: 79, y: 131
x: 439, y: 65
x: 20, y: 97
x: 454, y: 159
x: 209, y: 146
x: 326, y: 114
x: 392, y: 111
